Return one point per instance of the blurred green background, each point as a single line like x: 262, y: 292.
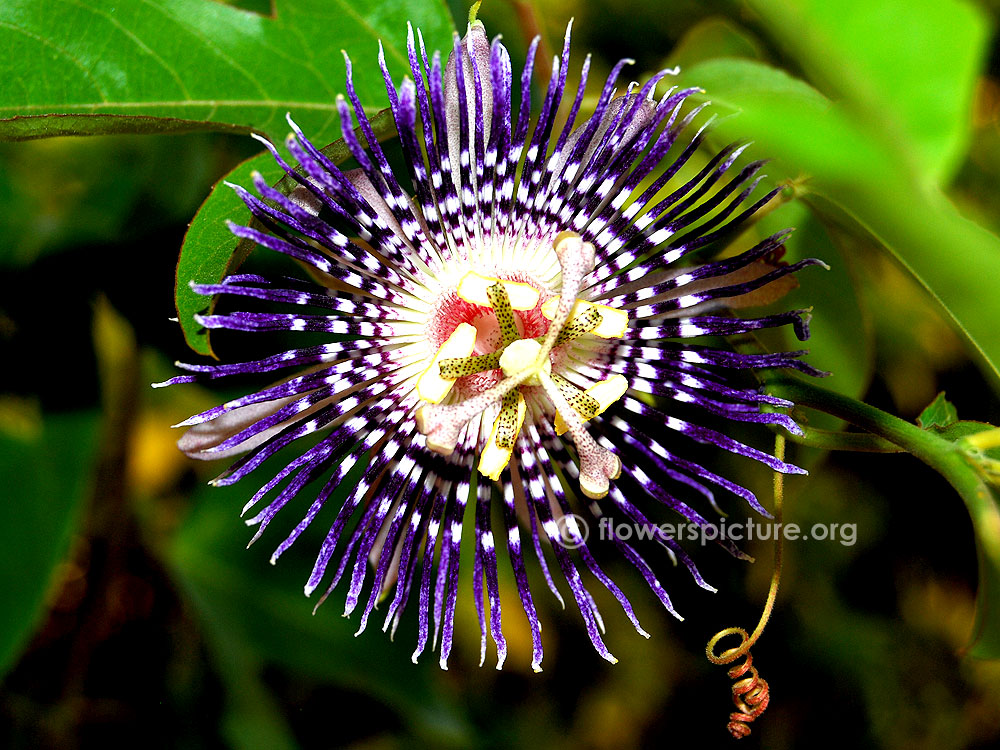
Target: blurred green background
x: 130, y: 611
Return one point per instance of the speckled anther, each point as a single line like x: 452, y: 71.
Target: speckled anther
x: 581, y: 324
x: 600, y: 396
x: 583, y: 404
x: 597, y: 464
x: 500, y: 302
x: 452, y: 369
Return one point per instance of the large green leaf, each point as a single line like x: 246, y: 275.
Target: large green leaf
x: 113, y: 66
x: 789, y: 120
x: 908, y: 67
x: 843, y: 162
x: 713, y: 37
x: 44, y: 466
x: 209, y: 249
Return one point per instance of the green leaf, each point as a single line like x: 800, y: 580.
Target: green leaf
x: 210, y: 251
x: 902, y: 74
x: 938, y: 414
x: 843, y: 165
x: 45, y: 469
x: 788, y: 119
x: 713, y: 37
x: 117, y: 66
x: 907, y: 66
x: 259, y: 610
x: 955, y: 260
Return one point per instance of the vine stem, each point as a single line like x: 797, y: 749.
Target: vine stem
x: 937, y: 452
x: 856, y: 442
x: 945, y: 456
x: 885, y: 433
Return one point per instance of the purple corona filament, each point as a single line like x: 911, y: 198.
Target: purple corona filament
x: 512, y: 331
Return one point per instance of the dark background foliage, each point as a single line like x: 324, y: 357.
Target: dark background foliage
x: 129, y: 609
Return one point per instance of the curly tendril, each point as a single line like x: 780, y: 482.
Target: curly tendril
x: 751, y: 693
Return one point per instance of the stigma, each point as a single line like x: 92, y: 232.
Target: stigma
x: 515, y: 353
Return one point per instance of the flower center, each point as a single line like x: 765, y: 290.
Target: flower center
x: 522, y: 355
x: 523, y: 361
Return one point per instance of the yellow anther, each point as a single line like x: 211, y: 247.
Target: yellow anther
x: 496, y: 455
x: 605, y: 393
x: 613, y: 323
x: 473, y: 288
x: 508, y: 421
x: 431, y: 386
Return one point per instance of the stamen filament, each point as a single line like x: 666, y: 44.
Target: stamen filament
x: 442, y: 424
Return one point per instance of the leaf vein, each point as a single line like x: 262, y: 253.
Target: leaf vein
x: 134, y: 38
x: 65, y: 53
